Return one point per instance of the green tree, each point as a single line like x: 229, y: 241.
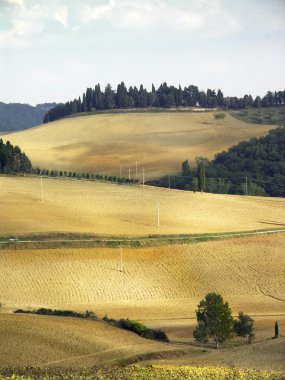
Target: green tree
x: 244, y: 326
x: 214, y: 318
x: 201, y: 176
x: 276, y: 330
x: 186, y: 168
x: 201, y: 333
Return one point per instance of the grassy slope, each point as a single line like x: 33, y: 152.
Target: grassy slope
x: 158, y: 141
x: 99, y: 208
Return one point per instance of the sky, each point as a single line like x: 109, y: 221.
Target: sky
x: 52, y: 50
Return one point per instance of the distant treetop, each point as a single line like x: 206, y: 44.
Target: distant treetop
x: 164, y: 97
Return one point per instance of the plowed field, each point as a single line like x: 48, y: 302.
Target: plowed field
x: 160, y: 282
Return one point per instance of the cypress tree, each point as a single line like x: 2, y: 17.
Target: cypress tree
x: 276, y: 330
x: 201, y: 176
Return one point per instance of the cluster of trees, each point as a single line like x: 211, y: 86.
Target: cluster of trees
x: 16, y: 116
x: 12, y: 159
x: 165, y: 96
x: 254, y: 167
x: 214, y: 318
x: 88, y: 176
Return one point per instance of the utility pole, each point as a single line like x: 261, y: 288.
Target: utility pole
x: 42, y: 189
x: 143, y: 177
x: 129, y: 174
x: 158, y: 211
x: 121, y: 259
x: 136, y: 169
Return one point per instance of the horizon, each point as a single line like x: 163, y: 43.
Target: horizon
x: 52, y: 53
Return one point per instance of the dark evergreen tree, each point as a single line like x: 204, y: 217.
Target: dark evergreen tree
x: 216, y: 317
x: 244, y: 326
x: 109, y: 99
x: 276, y: 330
x: 201, y: 176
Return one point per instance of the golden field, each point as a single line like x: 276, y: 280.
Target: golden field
x: 156, y: 282
x: 160, y: 286
x: 159, y: 142
x: 109, y: 209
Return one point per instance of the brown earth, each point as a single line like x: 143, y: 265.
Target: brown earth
x: 159, y: 142
x: 108, y: 209
x: 156, y: 283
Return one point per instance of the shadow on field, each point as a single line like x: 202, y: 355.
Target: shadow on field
x: 272, y: 222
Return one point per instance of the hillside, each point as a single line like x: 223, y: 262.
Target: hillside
x: 16, y: 116
x: 156, y: 282
x: 107, y: 209
x: 159, y: 142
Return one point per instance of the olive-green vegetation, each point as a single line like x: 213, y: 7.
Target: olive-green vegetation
x: 153, y: 372
x: 270, y: 115
x: 214, y: 318
x: 164, y: 97
x: 126, y: 324
x: 87, y: 176
x: 254, y: 167
x: 12, y: 159
x: 138, y: 328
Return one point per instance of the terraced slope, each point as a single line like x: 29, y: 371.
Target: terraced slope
x: 159, y: 142
x: 161, y: 282
x: 90, y: 207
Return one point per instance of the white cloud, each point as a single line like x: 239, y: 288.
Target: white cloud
x: 15, y: 2
x: 61, y: 15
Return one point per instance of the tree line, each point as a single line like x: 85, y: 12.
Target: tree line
x: 163, y: 97
x: 254, y: 167
x: 12, y: 159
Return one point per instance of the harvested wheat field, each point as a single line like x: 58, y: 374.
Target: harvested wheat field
x: 158, y: 141
x: 156, y: 283
x: 102, y: 208
x: 29, y: 340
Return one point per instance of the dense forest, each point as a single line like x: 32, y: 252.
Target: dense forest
x: 16, y: 116
x: 163, y: 97
x: 12, y: 159
x: 254, y: 167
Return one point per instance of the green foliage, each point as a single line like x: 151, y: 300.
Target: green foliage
x: 214, y: 319
x: 138, y: 328
x: 185, y: 168
x: 276, y: 330
x: 12, y: 159
x: 261, y: 160
x: 201, y: 332
x: 244, y: 326
x: 201, y: 176
x: 219, y: 116
x: 61, y: 313
x: 269, y: 115
x: 164, y: 97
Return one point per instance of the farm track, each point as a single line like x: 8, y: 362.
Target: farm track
x: 126, y: 242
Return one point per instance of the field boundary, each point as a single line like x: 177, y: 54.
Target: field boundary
x: 52, y: 241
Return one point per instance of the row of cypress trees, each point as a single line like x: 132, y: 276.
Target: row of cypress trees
x: 163, y: 97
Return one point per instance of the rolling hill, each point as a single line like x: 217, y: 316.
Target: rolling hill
x: 78, y: 206
x: 159, y: 142
x: 16, y: 116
